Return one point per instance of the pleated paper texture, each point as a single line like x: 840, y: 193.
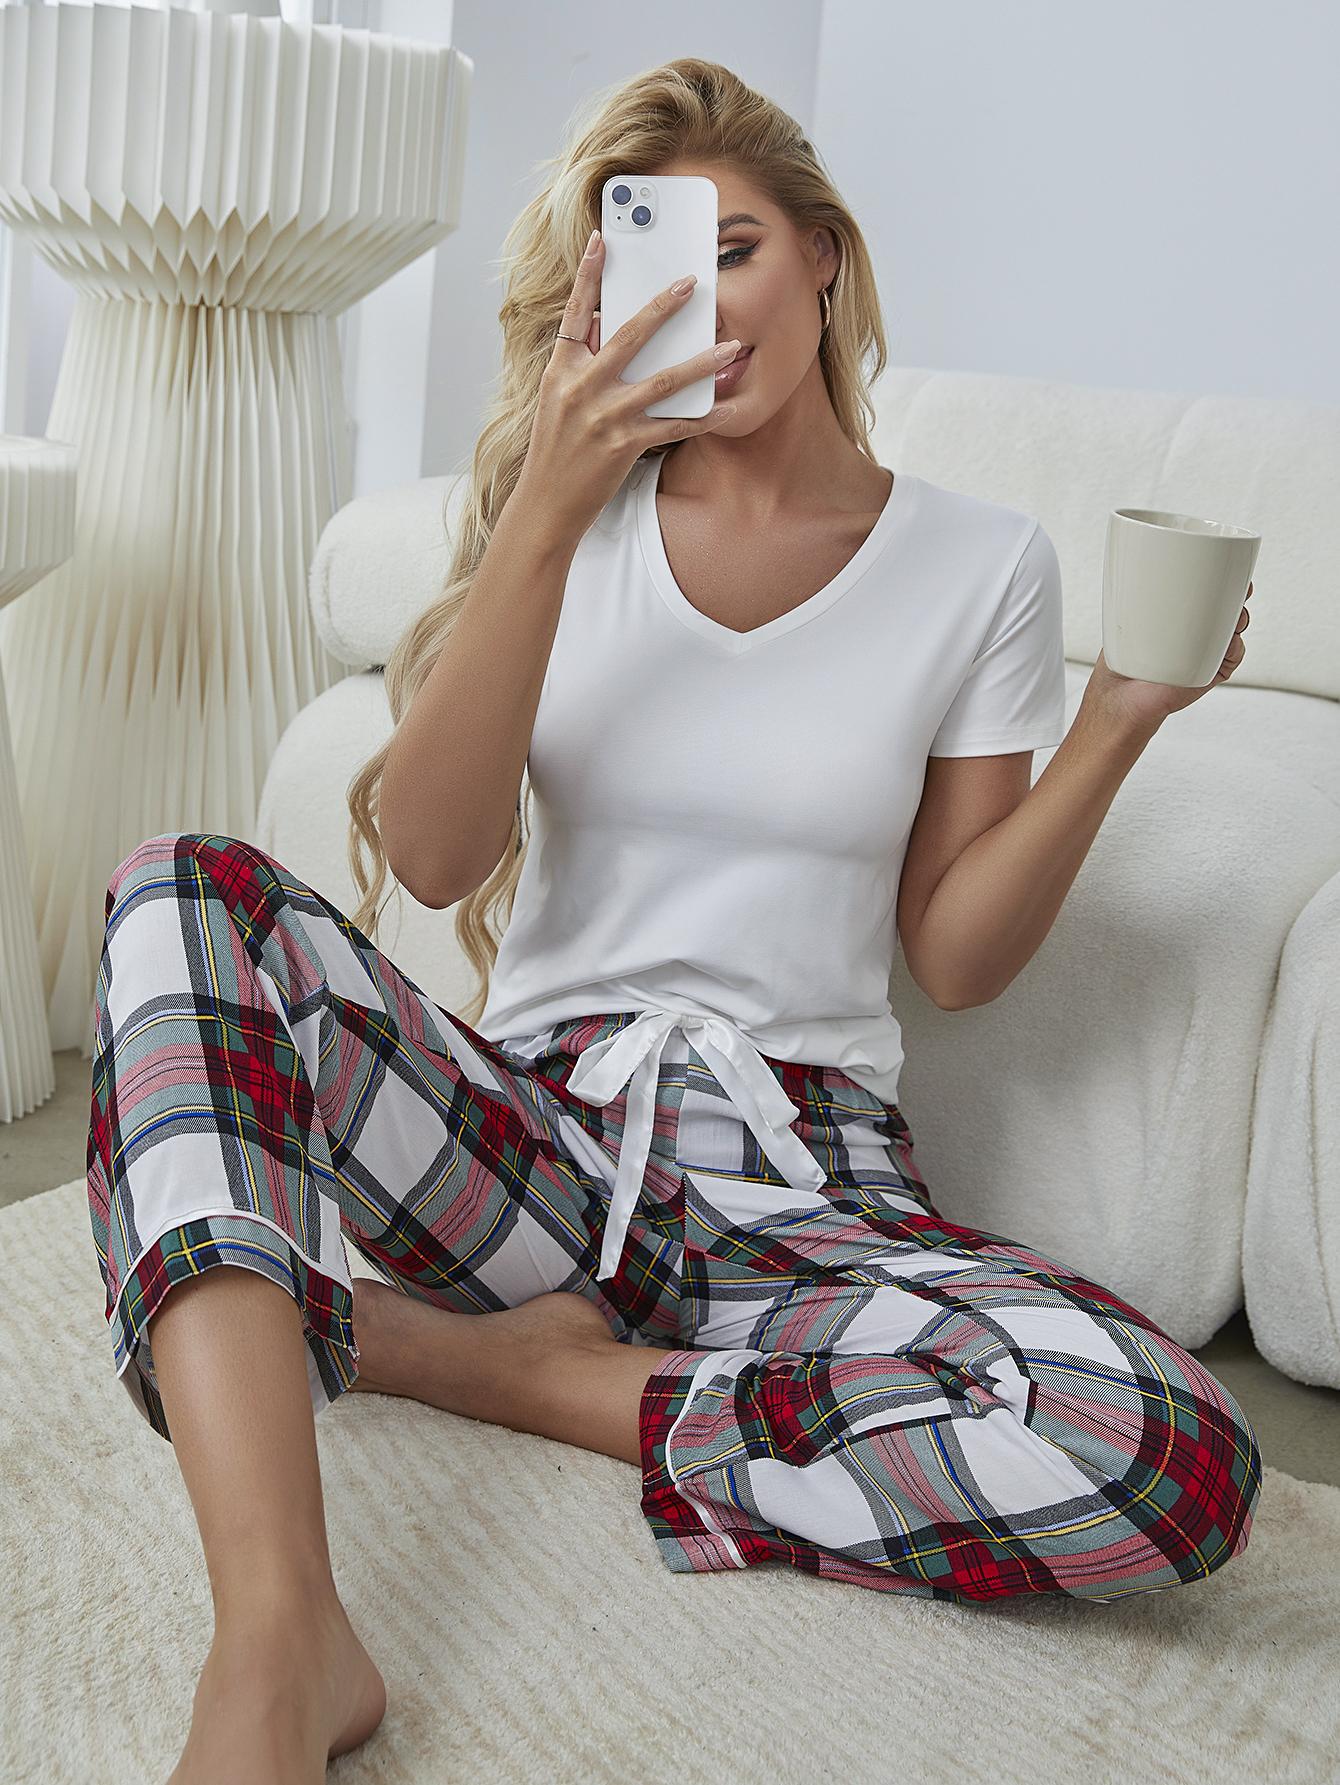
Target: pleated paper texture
x: 218, y: 188
x: 37, y: 509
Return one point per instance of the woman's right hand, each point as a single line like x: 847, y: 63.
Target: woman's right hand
x: 590, y: 426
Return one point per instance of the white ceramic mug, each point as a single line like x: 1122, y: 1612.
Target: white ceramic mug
x: 1174, y: 588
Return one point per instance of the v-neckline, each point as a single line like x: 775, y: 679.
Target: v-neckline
x: 654, y: 554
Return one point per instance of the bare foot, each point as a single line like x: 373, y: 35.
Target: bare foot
x: 276, y: 1700
x: 392, y: 1329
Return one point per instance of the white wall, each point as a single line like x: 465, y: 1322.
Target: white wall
x: 386, y: 340
x: 1143, y: 196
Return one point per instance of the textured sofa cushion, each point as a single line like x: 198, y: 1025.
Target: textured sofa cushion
x: 380, y: 561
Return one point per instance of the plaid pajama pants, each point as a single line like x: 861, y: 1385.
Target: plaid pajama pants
x: 855, y: 1386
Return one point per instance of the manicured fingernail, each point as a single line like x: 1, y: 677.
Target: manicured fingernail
x: 687, y: 283
x: 591, y: 245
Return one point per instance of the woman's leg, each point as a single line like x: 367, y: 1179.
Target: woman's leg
x: 265, y: 1085
x: 551, y: 1366
x: 938, y: 1411
x: 899, y: 1402
x: 286, y: 1684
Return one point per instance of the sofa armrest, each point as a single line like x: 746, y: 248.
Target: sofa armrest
x: 1291, y: 1226
x: 380, y: 561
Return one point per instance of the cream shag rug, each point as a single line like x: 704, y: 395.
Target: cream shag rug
x: 508, y: 1589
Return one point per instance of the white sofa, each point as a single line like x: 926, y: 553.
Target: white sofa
x: 1155, y: 1100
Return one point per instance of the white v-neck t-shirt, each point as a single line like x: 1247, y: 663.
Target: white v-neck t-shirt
x: 719, y: 818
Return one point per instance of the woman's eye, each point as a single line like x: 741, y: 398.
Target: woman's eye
x: 733, y: 256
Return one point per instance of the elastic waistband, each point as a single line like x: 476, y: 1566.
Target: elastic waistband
x: 586, y: 1031
x: 623, y: 1053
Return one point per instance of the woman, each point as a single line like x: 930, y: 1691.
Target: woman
x: 651, y: 1193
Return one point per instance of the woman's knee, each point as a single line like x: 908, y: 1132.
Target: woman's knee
x: 149, y: 857
x: 1172, y: 1444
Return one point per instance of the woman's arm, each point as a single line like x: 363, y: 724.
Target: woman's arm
x: 994, y: 905
x: 452, y: 778
x: 989, y: 914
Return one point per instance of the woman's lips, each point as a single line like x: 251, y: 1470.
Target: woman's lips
x: 729, y: 376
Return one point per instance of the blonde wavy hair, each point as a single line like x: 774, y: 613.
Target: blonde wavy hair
x: 688, y: 109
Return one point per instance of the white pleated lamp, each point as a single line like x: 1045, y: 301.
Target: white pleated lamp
x: 37, y: 509
x: 218, y: 184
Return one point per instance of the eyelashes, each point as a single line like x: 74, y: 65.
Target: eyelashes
x: 733, y: 256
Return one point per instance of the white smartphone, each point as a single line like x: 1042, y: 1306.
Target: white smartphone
x: 656, y: 230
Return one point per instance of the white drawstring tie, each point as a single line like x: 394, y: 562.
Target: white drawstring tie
x: 634, y: 1053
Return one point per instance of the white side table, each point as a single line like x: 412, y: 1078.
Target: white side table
x: 37, y: 502
x: 218, y: 186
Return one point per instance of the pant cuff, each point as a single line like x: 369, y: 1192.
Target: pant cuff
x: 184, y: 1251
x: 687, y: 1543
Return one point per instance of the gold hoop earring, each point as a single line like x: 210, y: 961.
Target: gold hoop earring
x: 827, y: 308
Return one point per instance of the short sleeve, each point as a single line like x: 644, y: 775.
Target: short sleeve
x: 1013, y: 696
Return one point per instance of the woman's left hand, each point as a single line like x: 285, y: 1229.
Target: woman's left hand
x: 1150, y: 703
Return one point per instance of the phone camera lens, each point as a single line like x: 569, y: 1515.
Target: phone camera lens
x: 621, y: 194
x: 641, y: 214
